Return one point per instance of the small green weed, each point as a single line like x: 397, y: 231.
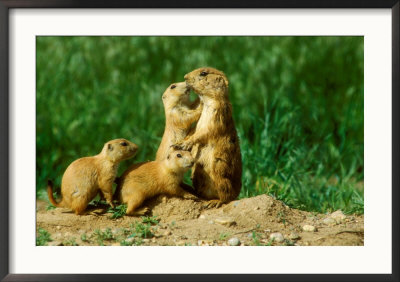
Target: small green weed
x: 143, y: 230
x: 84, y: 237
x: 117, y: 212
x: 125, y: 243
x: 139, y: 231
x: 282, y: 217
x: 223, y: 236
x: 50, y: 207
x: 102, y: 236
x: 256, y: 238
x: 70, y: 242
x: 42, y: 237
x: 270, y: 242
x: 153, y: 220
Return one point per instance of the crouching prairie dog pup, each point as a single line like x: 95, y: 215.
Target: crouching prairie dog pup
x: 84, y: 177
x: 217, y: 172
x: 145, y: 180
x: 180, y: 114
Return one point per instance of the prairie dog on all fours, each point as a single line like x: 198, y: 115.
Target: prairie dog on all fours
x: 180, y: 114
x: 84, y: 177
x: 145, y: 180
x: 217, y: 172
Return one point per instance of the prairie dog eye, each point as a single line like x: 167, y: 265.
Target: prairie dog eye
x: 124, y: 144
x: 173, y: 86
x: 203, y: 73
x: 179, y: 155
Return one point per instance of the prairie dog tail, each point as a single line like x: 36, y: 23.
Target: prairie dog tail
x: 50, y: 193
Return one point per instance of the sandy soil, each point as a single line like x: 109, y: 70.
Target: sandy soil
x: 251, y: 221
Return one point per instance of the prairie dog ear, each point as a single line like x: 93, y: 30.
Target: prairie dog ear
x: 222, y: 81
x: 110, y: 147
x: 226, y: 81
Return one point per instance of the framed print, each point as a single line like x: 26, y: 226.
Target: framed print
x: 206, y: 141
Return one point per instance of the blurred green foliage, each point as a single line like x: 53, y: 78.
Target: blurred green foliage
x: 297, y: 101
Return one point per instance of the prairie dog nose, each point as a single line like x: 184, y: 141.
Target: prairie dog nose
x: 186, y: 76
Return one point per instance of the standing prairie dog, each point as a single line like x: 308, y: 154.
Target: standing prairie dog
x: 145, y: 180
x: 217, y: 172
x: 84, y: 177
x: 180, y: 114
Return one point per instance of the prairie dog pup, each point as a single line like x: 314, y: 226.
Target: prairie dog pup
x: 180, y: 114
x: 145, y: 180
x: 84, y: 177
x: 217, y: 172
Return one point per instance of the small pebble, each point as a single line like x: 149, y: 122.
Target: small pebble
x: 167, y: 233
x: 203, y: 243
x: 294, y: 236
x: 202, y: 216
x: 146, y: 240
x: 153, y: 240
x: 256, y: 208
x: 225, y: 221
x: 58, y: 227
x: 211, y: 222
x: 338, y: 216
x: 309, y: 228
x: 164, y: 199
x: 235, y: 204
x: 329, y: 221
x: 250, y: 235
x: 277, y: 237
x: 234, y: 241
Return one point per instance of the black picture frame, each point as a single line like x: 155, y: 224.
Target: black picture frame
x: 6, y: 5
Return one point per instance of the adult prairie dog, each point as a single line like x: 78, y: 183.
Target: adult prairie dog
x: 84, y: 177
x: 217, y: 172
x: 145, y: 180
x: 180, y: 114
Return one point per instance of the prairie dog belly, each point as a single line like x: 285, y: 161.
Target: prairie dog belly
x: 205, y: 160
x: 206, y: 156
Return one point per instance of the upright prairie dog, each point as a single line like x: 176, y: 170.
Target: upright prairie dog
x: 180, y: 114
x: 145, y: 180
x: 217, y: 172
x: 84, y: 177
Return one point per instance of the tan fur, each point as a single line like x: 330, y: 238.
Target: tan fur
x: 180, y: 114
x: 217, y: 172
x: 85, y: 177
x: 145, y: 180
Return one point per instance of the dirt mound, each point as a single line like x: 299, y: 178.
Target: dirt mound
x: 260, y: 220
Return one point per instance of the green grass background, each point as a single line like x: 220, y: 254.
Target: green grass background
x: 297, y: 103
